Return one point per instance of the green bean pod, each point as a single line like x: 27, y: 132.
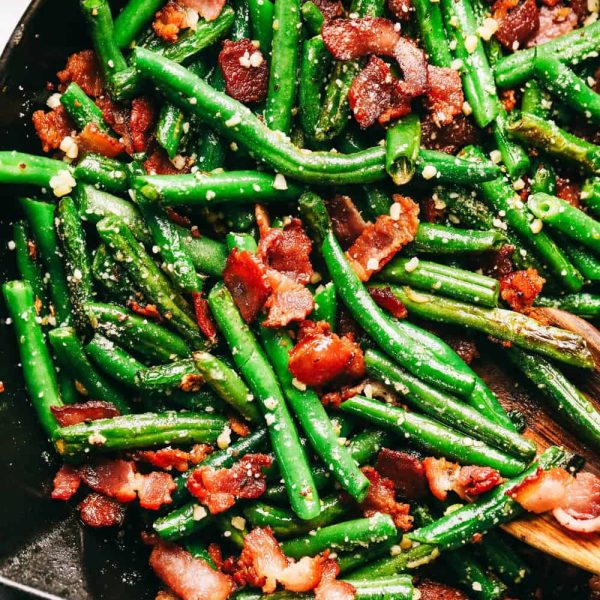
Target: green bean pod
x: 433, y: 33
x: 583, y: 304
x: 590, y: 195
x: 325, y: 305
x: 82, y: 109
x: 403, y: 141
x: 27, y: 169
x: 107, y: 173
x: 261, y: 20
x: 440, y: 239
x: 27, y: 265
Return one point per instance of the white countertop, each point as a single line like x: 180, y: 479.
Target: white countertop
x: 10, y: 13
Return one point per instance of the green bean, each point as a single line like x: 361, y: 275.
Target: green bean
x: 82, y: 109
x: 533, y: 100
x: 111, y: 277
x: 571, y: 48
x: 563, y: 396
x: 590, y: 195
x: 40, y: 216
x: 261, y: 19
x: 241, y: 24
x: 208, y: 255
x: 445, y: 408
x: 326, y: 305
x: 27, y: 265
x: 136, y: 333
x: 261, y: 379
x: 107, y: 173
x: 544, y: 179
x: 313, y: 18
x: 585, y: 261
x: 132, y: 19
x: 440, y: 239
x: 458, y: 527
x: 508, y: 325
x: 36, y: 362
x: 26, y: 169
x: 169, y: 129
x: 551, y: 139
x: 403, y: 141
x: 502, y: 558
x: 166, y: 377
x: 567, y: 219
x: 433, y: 34
x: 472, y: 576
x: 198, y: 550
x: 138, y: 431
x: 446, y: 168
x: 515, y: 159
x: 342, y: 536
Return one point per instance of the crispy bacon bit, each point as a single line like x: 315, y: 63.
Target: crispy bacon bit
x: 263, y: 564
x: 207, y: 9
x: 580, y: 511
x: 498, y: 263
x: 554, y: 22
x: 169, y: 21
x: 72, y: 414
x: 158, y: 163
x: 473, y: 480
x: 190, y: 578
x: 349, y: 39
x: 430, y: 590
x: 346, y: 219
x: 245, y: 71
x: 165, y: 458
x: 321, y: 356
x: 380, y: 241
x: 92, y: 139
x: 191, y: 382
x: 460, y: 132
x: 142, y: 120
x: 117, y: 117
x: 520, y: 288
x: 287, y: 251
x: 568, y: 190
x: 263, y: 221
x: 413, y: 64
x: 405, y: 471
x: 445, y: 97
x: 238, y: 426
x: 199, y: 452
x: 518, y: 25
x: 401, y: 9
x: 381, y: 498
x: 246, y: 278
x: 385, y: 299
x: 337, y: 396
x: 155, y: 489
x: 542, y: 491
x: 330, y: 588
x: 203, y: 316
x: 289, y: 301
x: 97, y: 510
x: 52, y: 127
x: 83, y: 68
x: 442, y: 476
x: 178, y: 218
x: 66, y: 483
x: 113, y: 478
x: 330, y: 9
x: 219, y: 489
x: 150, y: 311
x: 508, y: 99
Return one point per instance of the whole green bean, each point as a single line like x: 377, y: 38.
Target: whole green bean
x: 261, y: 20
x: 132, y: 20
x: 82, y: 109
x: 107, y: 173
x: 583, y: 304
x: 515, y: 159
x: 27, y: 265
x: 26, y: 169
x: 403, y: 141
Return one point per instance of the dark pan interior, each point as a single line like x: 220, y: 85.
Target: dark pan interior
x: 42, y: 544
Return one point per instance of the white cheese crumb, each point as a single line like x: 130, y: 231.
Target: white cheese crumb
x: 69, y: 147
x: 456, y: 64
x: 62, y: 184
x: 536, y: 225
x: 298, y: 384
x: 210, y: 195
x: 178, y: 161
x: 487, y: 29
x: 466, y: 108
x: 412, y: 264
x: 395, y: 211
x: 269, y: 419
x: 224, y: 438
x: 198, y: 513
x: 495, y: 156
x: 54, y: 101
x: 280, y: 183
x: 97, y: 439
x: 471, y: 42
x: 429, y: 172
x: 11, y: 245
x: 238, y: 522
x: 193, y: 101
x: 368, y: 390
x: 256, y: 59
x: 236, y: 119
x: 270, y: 404
x: 372, y: 264
x: 519, y: 184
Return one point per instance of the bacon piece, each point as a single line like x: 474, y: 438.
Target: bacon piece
x: 405, y: 471
x: 346, y: 219
x: 245, y: 71
x: 52, y: 127
x: 66, y: 483
x: 542, y: 491
x: 349, y: 39
x: 554, y: 22
x: 498, y: 263
x: 149, y: 311
x: 238, y: 426
x: 169, y: 21
x: 83, y: 69
x: 518, y: 25
x: 246, y: 278
x: 158, y: 163
x: 199, y: 452
x: 72, y: 414
x: 287, y: 251
x: 381, y: 498
x: 411, y: 60
x: 203, y: 316
x: 262, y: 219
x: 460, y: 132
x: 113, y: 478
x: 445, y: 97
x: 380, y: 241
x: 401, y: 9
x: 190, y: 578
x: 568, y: 190
x: 155, y: 489
x: 165, y: 458
x: 207, y: 9
x: 178, y: 218
x: 330, y: 588
x: 263, y: 564
x: 92, y: 139
x: 430, y: 590
x: 520, y: 288
x: 474, y: 480
x: 385, y: 299
x: 330, y: 9
x: 321, y: 356
x: 143, y: 116
x: 218, y: 489
x: 97, y: 511
x: 289, y: 301
x: 580, y: 511
x: 117, y: 117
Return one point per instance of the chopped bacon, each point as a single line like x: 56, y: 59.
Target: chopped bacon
x: 142, y: 120
x: 66, y: 483
x: 474, y: 480
x: 93, y: 139
x: 169, y: 21
x: 413, y: 65
x: 337, y: 396
x: 460, y: 132
x: 245, y: 71
x: 431, y: 590
x: 203, y: 316
x: 199, y: 452
x: 580, y: 511
x: 508, y: 99
x: 97, y: 510
x: 207, y: 9
x: 72, y: 414
x: 554, y: 22
x: 263, y: 564
x: 287, y: 251
x: 330, y: 9
x: 52, y: 127
x: 442, y: 476
x: 519, y: 25
x: 432, y: 211
x: 401, y: 9
x: 218, y: 489
x: 113, y: 478
x: 238, y: 426
x: 155, y: 489
x: 190, y: 578
x: 580, y: 7
x: 346, y: 219
x: 178, y: 218
x: 330, y: 588
x: 166, y: 458
x: 385, y: 298
x: 149, y: 311
x: 381, y: 498
x: 289, y: 301
x: 321, y: 356
x: 349, y: 39
x: 405, y: 470
x: 158, y: 163
x: 380, y: 241
x: 375, y: 95
x: 520, y: 288
x: 445, y: 97
x: 542, y: 491
x: 263, y: 221
x: 117, y: 117
x: 83, y: 69
x: 246, y: 278
x: 498, y: 263
x: 191, y: 382
x: 568, y: 190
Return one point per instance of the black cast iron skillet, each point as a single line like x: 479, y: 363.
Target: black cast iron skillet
x: 42, y: 544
